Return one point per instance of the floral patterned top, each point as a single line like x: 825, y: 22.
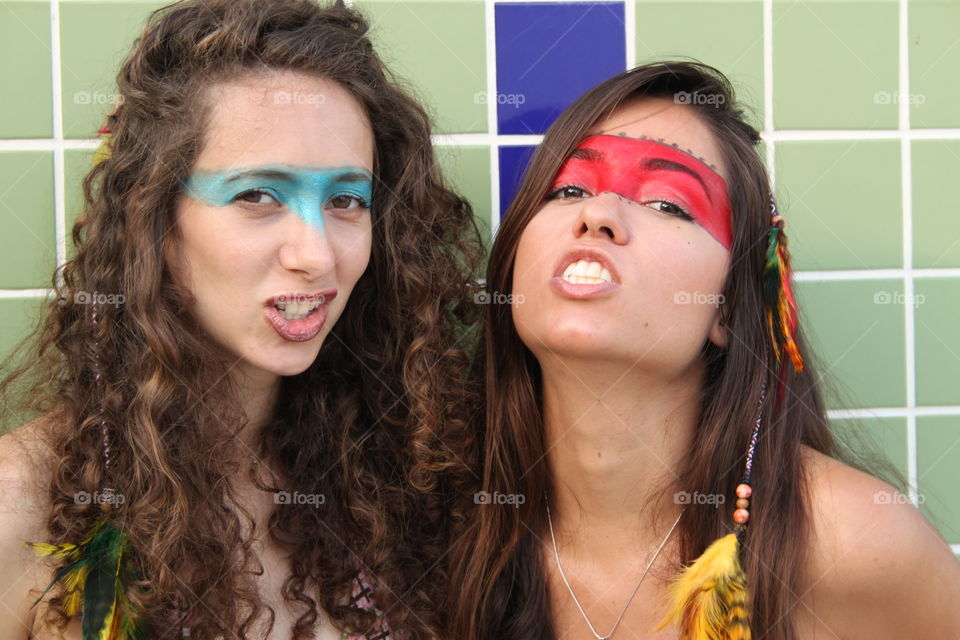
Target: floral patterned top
x: 362, y: 599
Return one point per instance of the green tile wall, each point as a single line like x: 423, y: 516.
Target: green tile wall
x: 833, y: 75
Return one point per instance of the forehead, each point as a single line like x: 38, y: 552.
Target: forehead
x: 661, y: 120
x: 285, y: 118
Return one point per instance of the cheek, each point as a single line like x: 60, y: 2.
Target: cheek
x: 351, y: 246
x: 532, y: 264
x: 220, y: 257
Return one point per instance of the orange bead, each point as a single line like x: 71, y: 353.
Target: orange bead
x: 744, y: 491
x: 740, y: 516
x: 742, y: 503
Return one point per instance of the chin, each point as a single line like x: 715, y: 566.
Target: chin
x: 288, y: 362
x: 581, y: 340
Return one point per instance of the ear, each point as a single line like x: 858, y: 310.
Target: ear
x: 718, y: 330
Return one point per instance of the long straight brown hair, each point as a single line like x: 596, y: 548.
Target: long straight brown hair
x: 502, y: 590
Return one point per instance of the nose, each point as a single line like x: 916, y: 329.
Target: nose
x: 306, y: 249
x: 600, y: 217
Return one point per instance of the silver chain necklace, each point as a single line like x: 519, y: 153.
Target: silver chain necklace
x: 556, y: 554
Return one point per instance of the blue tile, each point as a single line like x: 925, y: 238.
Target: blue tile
x: 549, y: 53
x: 513, y: 163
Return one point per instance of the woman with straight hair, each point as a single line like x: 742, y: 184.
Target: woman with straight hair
x: 657, y: 460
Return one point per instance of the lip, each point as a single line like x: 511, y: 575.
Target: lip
x: 584, y: 291
x: 586, y: 253
x: 303, y: 329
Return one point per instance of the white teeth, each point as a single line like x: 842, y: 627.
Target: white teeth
x: 296, y: 310
x: 586, y: 272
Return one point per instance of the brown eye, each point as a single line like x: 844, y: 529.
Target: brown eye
x: 344, y: 202
x: 567, y: 192
x: 256, y: 196
x: 665, y: 206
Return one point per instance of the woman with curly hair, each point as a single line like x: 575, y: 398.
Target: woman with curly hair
x: 247, y: 426
x: 657, y: 460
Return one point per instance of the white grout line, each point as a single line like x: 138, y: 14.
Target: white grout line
x: 893, y: 412
x: 768, y: 135
x: 25, y: 293
x: 492, y: 136
x: 873, y: 274
x: 630, y: 31
x: 768, y: 67
x: 45, y: 144
x: 826, y: 135
x: 59, y: 190
x: 906, y: 182
x: 453, y: 139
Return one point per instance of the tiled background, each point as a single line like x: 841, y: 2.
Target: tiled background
x: 859, y: 103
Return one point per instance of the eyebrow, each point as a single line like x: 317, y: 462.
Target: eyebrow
x: 654, y: 164
x: 279, y: 174
x: 662, y: 164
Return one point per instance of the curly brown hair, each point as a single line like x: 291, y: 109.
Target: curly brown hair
x: 378, y: 423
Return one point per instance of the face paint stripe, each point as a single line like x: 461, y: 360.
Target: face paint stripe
x: 305, y: 191
x: 627, y: 165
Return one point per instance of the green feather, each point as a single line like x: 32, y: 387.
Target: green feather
x: 96, y: 565
x: 102, y: 588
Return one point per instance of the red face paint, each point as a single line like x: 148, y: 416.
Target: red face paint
x: 645, y: 171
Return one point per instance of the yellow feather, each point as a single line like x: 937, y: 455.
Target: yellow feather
x: 708, y: 598
x: 103, y: 150
x: 109, y: 629
x: 57, y: 551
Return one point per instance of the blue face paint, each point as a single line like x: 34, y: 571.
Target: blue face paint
x: 304, y: 191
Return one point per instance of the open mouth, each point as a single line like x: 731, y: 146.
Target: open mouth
x: 586, y: 272
x: 298, y: 317
x: 298, y: 310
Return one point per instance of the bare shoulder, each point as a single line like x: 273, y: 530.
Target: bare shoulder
x: 26, y: 460
x: 877, y: 568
